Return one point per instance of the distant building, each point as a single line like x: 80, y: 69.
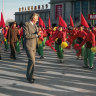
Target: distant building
x: 65, y: 8
x: 22, y: 16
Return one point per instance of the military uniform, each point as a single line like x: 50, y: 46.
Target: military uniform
x: 12, y: 38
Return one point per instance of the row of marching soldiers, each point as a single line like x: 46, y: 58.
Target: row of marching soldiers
x: 10, y: 36
x: 82, y: 39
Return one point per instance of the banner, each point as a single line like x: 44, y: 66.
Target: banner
x: 91, y: 16
x: 58, y: 10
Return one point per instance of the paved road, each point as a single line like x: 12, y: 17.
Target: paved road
x: 52, y: 78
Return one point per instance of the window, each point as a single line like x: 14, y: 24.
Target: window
x: 27, y: 17
x: 85, y: 8
x: 92, y: 6
x: 77, y: 10
x: 47, y: 16
x: 58, y: 10
x: 43, y: 16
x: 20, y: 18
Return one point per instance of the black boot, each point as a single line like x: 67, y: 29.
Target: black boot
x: 0, y: 58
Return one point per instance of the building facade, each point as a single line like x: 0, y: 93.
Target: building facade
x: 23, y: 16
x: 74, y: 8
x: 65, y: 8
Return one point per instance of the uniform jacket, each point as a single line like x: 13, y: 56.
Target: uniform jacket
x: 13, y: 35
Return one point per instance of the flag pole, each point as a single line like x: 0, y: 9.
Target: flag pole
x: 3, y: 7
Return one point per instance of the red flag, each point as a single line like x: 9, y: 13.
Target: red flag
x: 62, y: 22
x: 49, y: 22
x: 84, y: 22
x: 41, y: 22
x: 71, y: 22
x: 2, y: 20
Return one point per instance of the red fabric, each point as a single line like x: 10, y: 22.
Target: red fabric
x: 5, y: 33
x: 53, y: 32
x: 77, y: 34
x: 49, y: 22
x: 62, y: 22
x: 49, y: 44
x: 84, y: 22
x: 73, y: 36
x: 44, y: 33
x: 41, y: 22
x: 49, y: 31
x: 76, y: 46
x: 21, y: 32
x: 90, y: 37
x: 58, y: 34
x: 2, y: 20
x: 78, y: 54
x: 95, y: 36
x: 71, y: 22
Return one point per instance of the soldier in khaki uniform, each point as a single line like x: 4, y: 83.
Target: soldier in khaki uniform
x: 31, y: 34
x: 13, y: 36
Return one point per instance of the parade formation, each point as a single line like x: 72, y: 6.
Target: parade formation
x: 81, y: 38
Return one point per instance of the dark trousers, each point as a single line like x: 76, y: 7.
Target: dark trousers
x: 12, y: 47
x: 31, y: 63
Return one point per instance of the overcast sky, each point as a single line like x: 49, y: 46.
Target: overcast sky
x: 12, y: 6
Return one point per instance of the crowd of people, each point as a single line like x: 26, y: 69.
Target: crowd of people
x: 34, y: 39
x: 10, y: 37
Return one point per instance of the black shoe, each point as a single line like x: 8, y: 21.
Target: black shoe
x: 42, y: 57
x: 90, y: 67
x: 11, y: 57
x: 85, y: 66
x: 0, y: 58
x: 61, y: 61
x: 14, y: 58
x: 34, y: 79
x: 5, y: 50
x: 30, y: 80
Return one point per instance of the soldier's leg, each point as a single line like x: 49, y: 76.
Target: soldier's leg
x: 12, y: 46
x: 60, y: 53
x: 56, y: 45
x: 41, y: 51
x: 6, y: 44
x: 17, y: 47
x: 86, y: 57
x: 82, y: 51
x: 44, y: 41
x: 90, y: 58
